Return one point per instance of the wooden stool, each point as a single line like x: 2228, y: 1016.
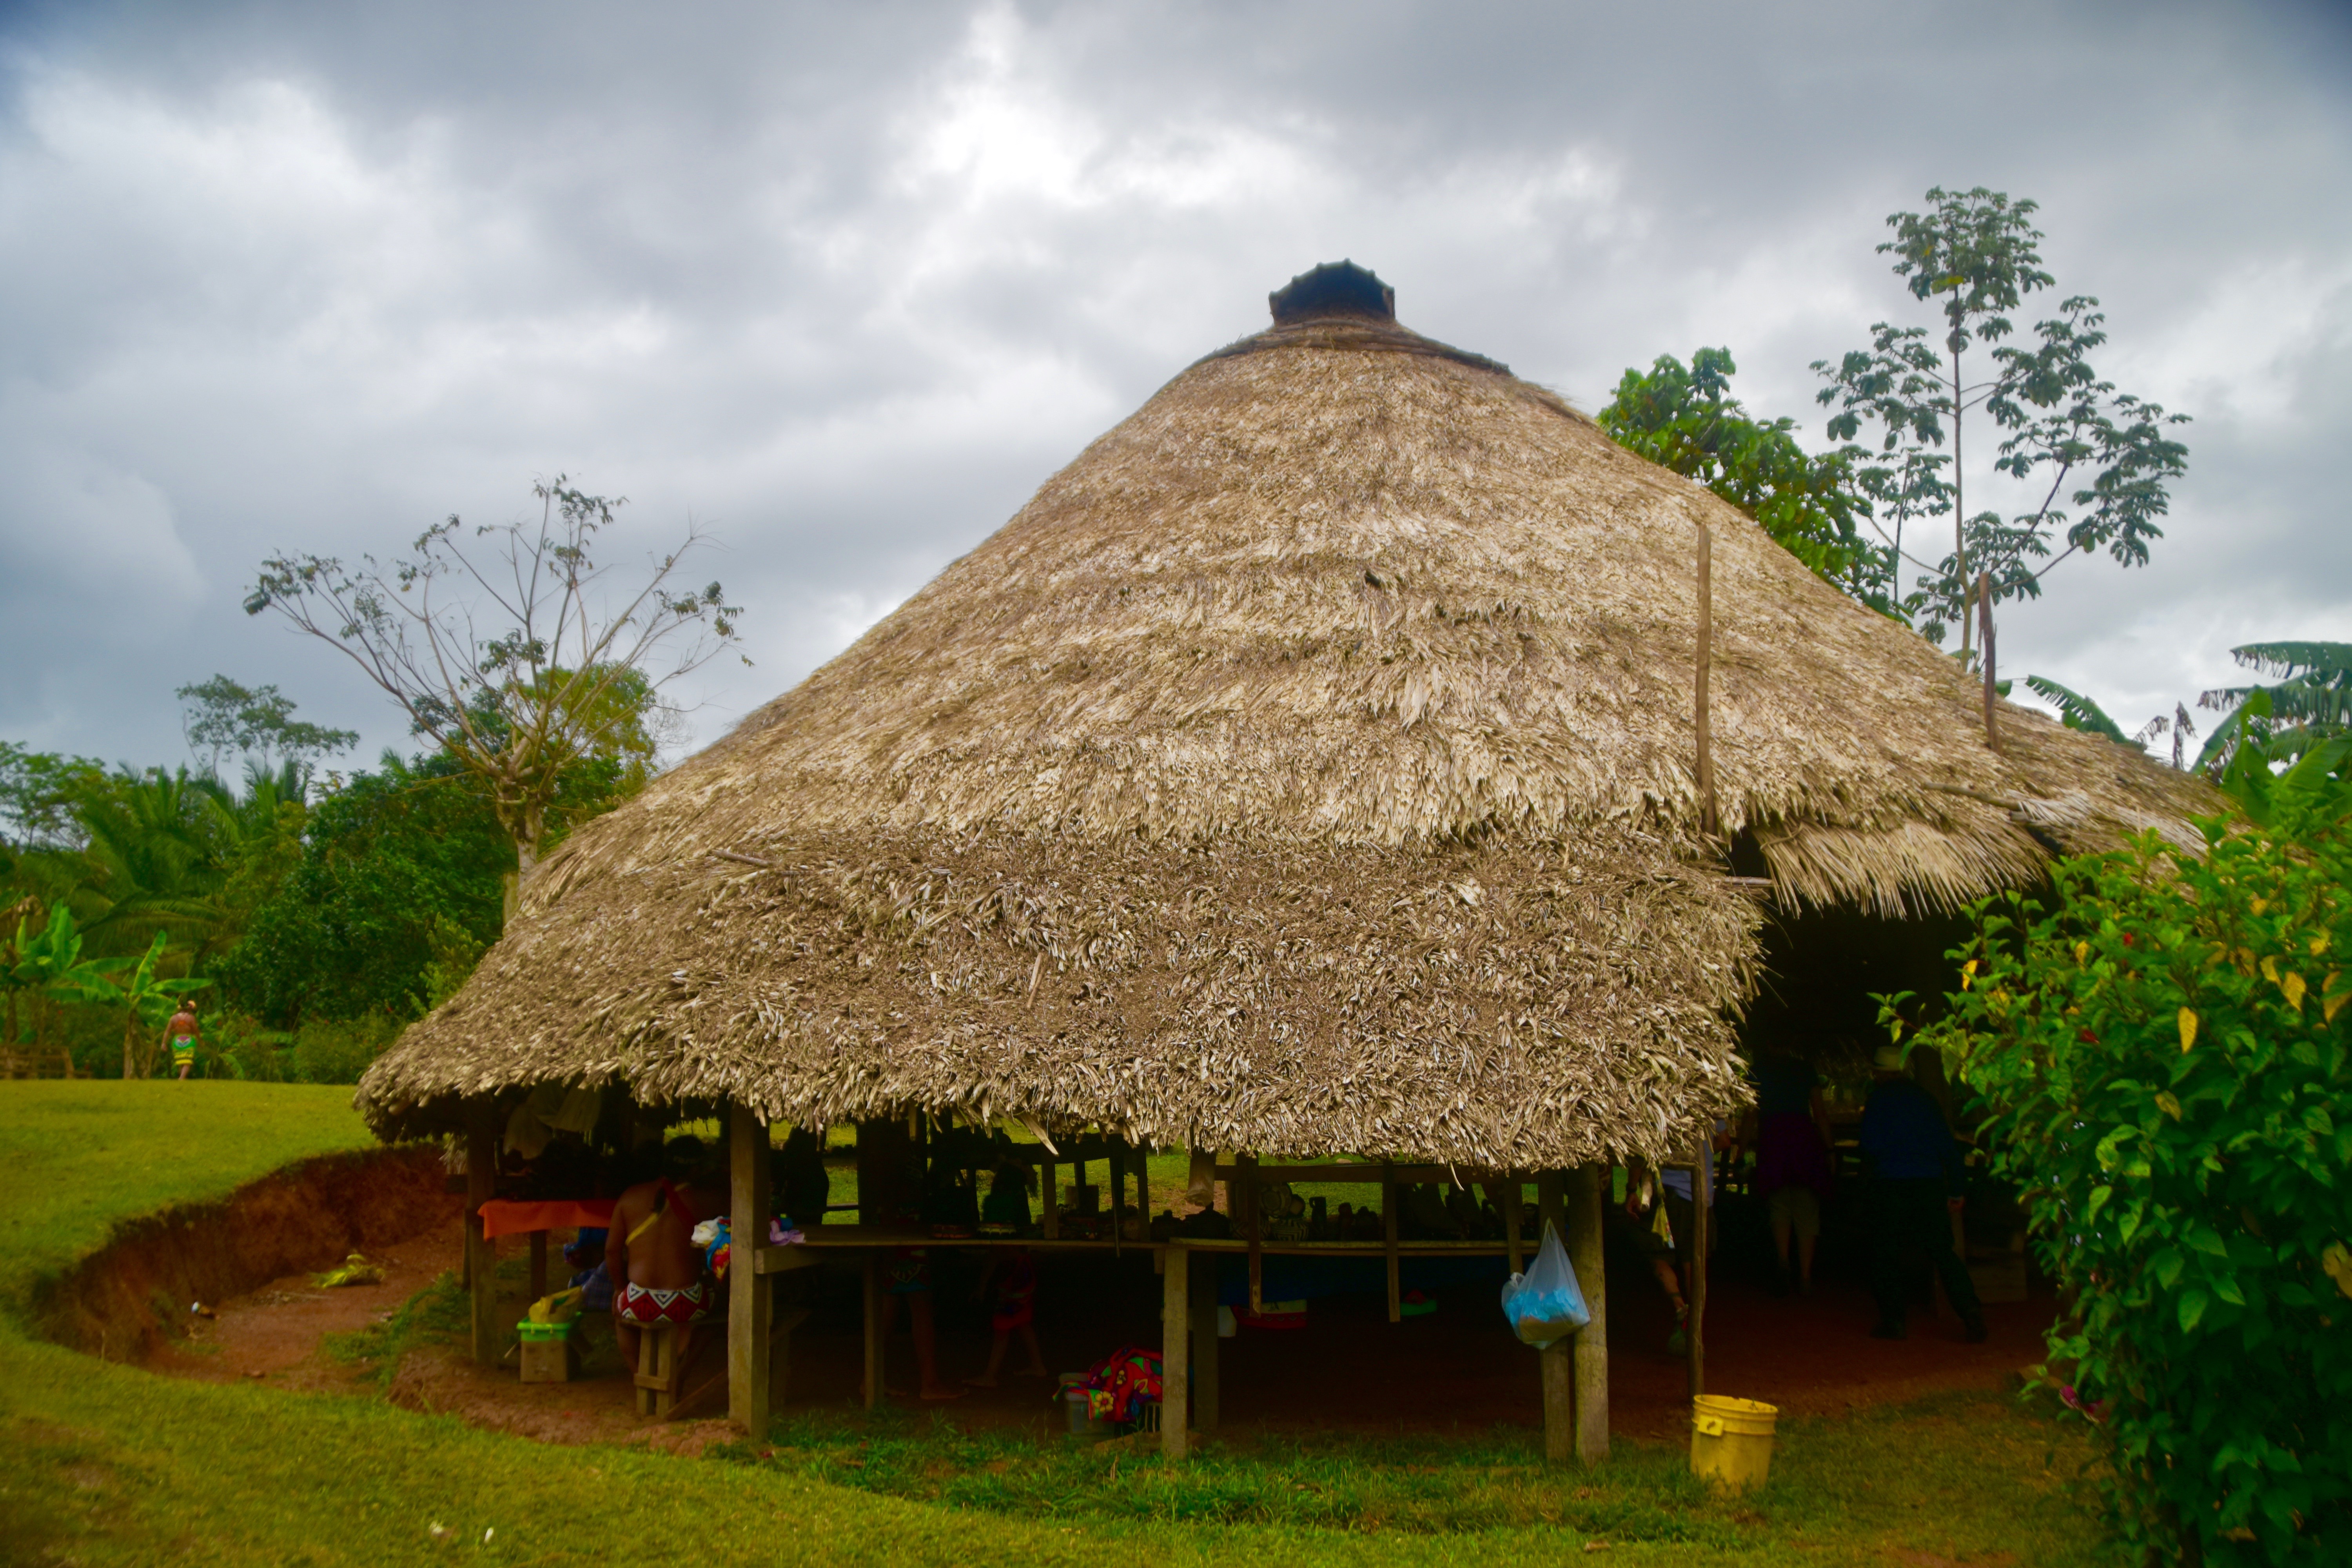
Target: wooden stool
x: 657, y: 1368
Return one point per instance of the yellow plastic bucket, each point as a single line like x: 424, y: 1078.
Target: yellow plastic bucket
x: 1731, y: 1440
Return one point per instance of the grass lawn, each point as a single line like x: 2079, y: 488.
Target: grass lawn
x: 102, y: 1463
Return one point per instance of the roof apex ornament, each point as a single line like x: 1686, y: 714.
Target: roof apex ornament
x: 1333, y: 288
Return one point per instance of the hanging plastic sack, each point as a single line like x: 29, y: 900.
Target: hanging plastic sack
x: 1545, y: 1303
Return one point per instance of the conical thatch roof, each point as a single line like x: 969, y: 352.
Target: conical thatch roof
x: 1307, y: 767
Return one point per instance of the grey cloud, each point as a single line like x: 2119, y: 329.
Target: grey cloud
x: 846, y: 283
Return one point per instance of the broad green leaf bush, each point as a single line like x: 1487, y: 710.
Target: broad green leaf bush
x: 2164, y: 1042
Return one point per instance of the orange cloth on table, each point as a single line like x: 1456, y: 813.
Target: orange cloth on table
x: 508, y: 1216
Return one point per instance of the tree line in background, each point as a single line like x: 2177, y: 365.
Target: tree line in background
x: 311, y: 913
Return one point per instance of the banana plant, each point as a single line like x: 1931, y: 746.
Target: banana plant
x: 2309, y: 703
x: 147, y: 1000
x: 2075, y: 710
x: 47, y: 963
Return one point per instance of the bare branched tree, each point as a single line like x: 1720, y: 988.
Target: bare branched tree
x: 516, y: 659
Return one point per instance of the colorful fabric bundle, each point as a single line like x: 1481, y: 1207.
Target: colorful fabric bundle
x: 1120, y: 1384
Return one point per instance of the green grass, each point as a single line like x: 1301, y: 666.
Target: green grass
x: 83, y: 1155
x: 102, y: 1463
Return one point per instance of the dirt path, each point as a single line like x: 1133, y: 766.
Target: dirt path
x: 276, y: 1333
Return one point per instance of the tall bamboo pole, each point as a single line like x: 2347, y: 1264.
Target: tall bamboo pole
x: 1984, y: 627
x: 1706, y: 813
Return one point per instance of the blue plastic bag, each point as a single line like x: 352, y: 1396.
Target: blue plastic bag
x: 1545, y: 1303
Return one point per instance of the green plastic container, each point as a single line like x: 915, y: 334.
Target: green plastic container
x: 529, y: 1331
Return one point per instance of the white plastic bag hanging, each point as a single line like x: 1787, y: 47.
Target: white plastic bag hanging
x: 1545, y: 1303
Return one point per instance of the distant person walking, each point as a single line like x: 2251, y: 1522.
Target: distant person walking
x: 1915, y: 1191
x: 1792, y: 1162
x: 182, y: 1035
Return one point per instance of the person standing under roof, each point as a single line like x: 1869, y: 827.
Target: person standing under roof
x: 1914, y: 1167
x: 1792, y: 1162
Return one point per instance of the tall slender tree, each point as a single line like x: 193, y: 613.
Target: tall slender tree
x: 1975, y: 257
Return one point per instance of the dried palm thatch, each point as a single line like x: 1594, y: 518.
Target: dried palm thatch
x: 1307, y: 767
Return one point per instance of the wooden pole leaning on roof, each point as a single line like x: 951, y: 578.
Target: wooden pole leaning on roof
x: 1588, y: 1197
x: 481, y: 1255
x: 1555, y: 1360
x: 1706, y: 813
x: 751, y: 1297
x: 1984, y: 637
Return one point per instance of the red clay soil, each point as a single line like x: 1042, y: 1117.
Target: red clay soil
x: 1456, y: 1370
x: 275, y: 1334
x: 1349, y: 1370
x: 131, y: 1298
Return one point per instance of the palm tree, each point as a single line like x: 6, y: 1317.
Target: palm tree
x: 154, y: 867
x: 2310, y: 699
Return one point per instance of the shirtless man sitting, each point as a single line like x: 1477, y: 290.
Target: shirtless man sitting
x: 655, y: 1269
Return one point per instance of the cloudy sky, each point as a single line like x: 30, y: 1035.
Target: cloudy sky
x: 843, y: 284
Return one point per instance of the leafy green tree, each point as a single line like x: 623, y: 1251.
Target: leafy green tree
x: 2164, y: 1042
x: 38, y: 792
x: 2309, y: 700
x: 514, y: 662
x: 222, y: 717
x: 1974, y: 255
x: 1686, y: 418
x: 391, y: 866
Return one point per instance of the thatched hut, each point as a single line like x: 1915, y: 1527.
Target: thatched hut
x: 1310, y: 767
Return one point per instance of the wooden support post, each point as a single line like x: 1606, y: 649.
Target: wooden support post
x: 1588, y: 1201
x: 1256, y: 1218
x: 1706, y: 819
x: 1388, y: 1238
x: 875, y: 1346
x: 1555, y: 1360
x: 1052, y: 1218
x: 1118, y: 1163
x: 1513, y: 1199
x: 750, y: 1299
x: 538, y: 1264
x: 1204, y: 1338
x: 481, y: 1253
x: 1175, y: 1351
x: 1694, y: 1334
x: 1142, y: 1157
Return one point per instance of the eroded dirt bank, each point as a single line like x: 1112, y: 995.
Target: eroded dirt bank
x: 131, y: 1296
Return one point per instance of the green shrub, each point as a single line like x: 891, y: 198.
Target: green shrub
x: 337, y: 1051
x: 2164, y: 1042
